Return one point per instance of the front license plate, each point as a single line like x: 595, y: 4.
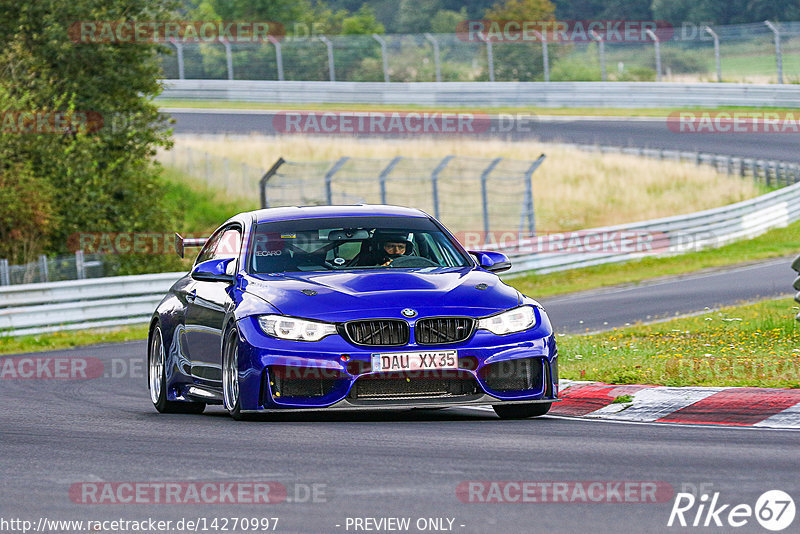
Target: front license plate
x: 415, y: 361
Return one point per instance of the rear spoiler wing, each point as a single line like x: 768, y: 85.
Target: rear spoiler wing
x: 182, y: 242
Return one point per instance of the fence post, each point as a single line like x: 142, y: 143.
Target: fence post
x: 602, y: 50
x: 80, y: 268
x: 716, y: 52
x: 657, y: 44
x: 5, y: 278
x: 278, y: 56
x: 383, y: 56
x: 329, y: 178
x: 384, y: 173
x: 262, y: 184
x: 44, y: 274
x: 435, y: 183
x: 329, y: 45
x: 529, y: 211
x: 179, y: 48
x: 485, y: 195
x: 228, y: 58
x: 489, y: 55
x: 436, y: 64
x: 778, y: 52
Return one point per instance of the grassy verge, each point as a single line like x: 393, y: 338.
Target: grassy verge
x: 590, y: 112
x: 773, y: 244
x: 70, y: 339
x: 754, y: 345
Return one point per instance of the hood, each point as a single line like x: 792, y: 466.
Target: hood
x: 341, y: 296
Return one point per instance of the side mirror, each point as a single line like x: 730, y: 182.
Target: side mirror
x: 213, y: 271
x: 492, y: 261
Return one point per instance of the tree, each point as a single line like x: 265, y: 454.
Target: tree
x: 88, y: 178
x: 520, y: 61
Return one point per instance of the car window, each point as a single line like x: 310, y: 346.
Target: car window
x: 223, y: 244
x: 352, y: 243
x: 207, y: 252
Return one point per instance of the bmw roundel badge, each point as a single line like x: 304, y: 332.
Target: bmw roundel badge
x: 408, y: 312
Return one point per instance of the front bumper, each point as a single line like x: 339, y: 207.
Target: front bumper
x: 516, y: 368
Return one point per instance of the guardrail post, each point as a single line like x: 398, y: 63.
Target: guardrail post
x: 529, y: 211
x: 329, y: 179
x: 228, y: 58
x: 489, y: 55
x: 485, y: 195
x: 384, y: 173
x: 778, y: 52
x: 278, y: 55
x: 385, y: 60
x: 80, y: 267
x: 262, y: 184
x: 657, y: 44
x: 329, y: 45
x: 179, y: 49
x: 601, y: 44
x: 436, y: 64
x: 5, y: 278
x: 435, y: 183
x: 44, y: 274
x: 716, y: 52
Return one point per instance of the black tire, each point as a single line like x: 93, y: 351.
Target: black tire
x: 521, y: 411
x: 230, y: 375
x: 157, y: 379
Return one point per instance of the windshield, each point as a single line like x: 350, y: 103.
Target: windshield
x: 340, y: 243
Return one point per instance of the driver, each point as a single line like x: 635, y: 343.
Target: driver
x: 393, y: 249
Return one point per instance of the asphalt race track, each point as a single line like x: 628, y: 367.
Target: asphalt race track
x: 57, y: 437
x: 624, y: 132
x: 58, y: 433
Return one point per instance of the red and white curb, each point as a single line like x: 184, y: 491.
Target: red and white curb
x: 733, y: 406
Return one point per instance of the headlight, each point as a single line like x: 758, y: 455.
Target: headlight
x: 284, y: 327
x: 515, y: 320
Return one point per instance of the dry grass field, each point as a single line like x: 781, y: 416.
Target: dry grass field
x: 572, y: 189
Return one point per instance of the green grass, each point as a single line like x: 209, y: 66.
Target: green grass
x: 773, y: 244
x: 70, y: 339
x: 755, y: 345
x: 200, y: 209
x: 598, y: 112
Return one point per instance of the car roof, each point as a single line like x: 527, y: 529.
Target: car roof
x: 313, y: 212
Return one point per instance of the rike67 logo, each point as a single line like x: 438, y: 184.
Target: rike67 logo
x: 774, y: 510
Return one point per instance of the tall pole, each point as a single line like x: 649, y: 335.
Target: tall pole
x: 490, y: 56
x: 716, y: 52
x: 383, y: 56
x: 602, y: 49
x: 778, y: 53
x: 329, y: 46
x: 657, y: 43
x: 436, y: 63
x: 278, y: 55
x: 229, y: 58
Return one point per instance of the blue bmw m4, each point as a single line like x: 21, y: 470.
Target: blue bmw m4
x: 343, y: 307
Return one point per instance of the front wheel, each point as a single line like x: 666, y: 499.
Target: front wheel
x: 230, y: 374
x: 521, y: 411
x: 157, y: 379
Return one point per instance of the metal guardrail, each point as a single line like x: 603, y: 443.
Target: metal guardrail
x: 78, y: 304
x: 662, y: 237
x: 497, y: 94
